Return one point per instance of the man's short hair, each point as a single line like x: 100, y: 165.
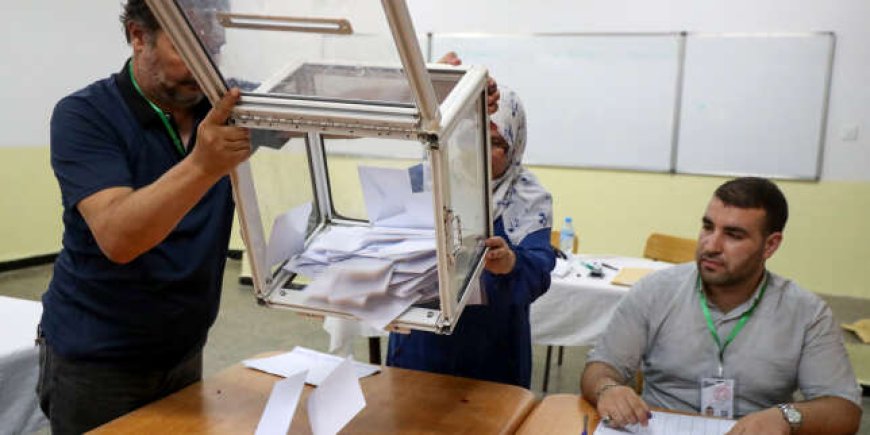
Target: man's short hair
x: 755, y: 192
x: 137, y: 11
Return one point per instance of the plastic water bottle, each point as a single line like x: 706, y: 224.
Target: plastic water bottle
x: 566, y: 237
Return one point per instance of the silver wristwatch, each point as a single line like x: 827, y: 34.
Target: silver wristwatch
x: 791, y: 415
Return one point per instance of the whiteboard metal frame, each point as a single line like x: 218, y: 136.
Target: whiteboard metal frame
x: 682, y: 38
x: 823, y: 126
x: 676, y: 34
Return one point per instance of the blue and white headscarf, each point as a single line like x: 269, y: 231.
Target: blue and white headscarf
x: 518, y: 198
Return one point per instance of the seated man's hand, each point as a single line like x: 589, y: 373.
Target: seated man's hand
x: 623, y: 406
x: 500, y: 259
x: 765, y: 422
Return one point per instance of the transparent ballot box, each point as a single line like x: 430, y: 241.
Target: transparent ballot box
x: 368, y: 193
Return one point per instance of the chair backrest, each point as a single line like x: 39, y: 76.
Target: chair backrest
x: 672, y: 249
x: 554, y: 240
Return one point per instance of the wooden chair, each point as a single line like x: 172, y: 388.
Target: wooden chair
x: 554, y: 241
x: 672, y: 249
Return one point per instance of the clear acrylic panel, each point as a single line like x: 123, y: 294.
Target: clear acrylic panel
x: 465, y: 160
x: 281, y: 176
x: 344, y: 157
x: 337, y: 50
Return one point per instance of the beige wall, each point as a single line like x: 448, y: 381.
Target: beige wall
x: 30, y: 209
x: 826, y: 247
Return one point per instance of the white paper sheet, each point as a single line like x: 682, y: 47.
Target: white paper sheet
x: 664, y: 423
x: 288, y: 234
x: 413, y: 286
x: 384, y: 191
x: 281, y: 406
x: 378, y: 311
x: 336, y: 401
x: 417, y: 213
x: 317, y: 364
x: 353, y: 281
x: 390, y: 201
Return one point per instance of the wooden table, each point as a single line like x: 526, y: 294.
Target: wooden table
x: 560, y: 414
x: 397, y: 401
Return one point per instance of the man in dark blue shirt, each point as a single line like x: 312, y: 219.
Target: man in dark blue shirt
x: 142, y: 162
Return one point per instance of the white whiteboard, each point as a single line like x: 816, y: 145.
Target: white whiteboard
x: 601, y: 101
x: 755, y: 105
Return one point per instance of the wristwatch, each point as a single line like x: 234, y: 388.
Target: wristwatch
x: 791, y: 415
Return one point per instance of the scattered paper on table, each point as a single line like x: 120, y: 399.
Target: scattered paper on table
x: 562, y: 269
x: 627, y: 276
x: 665, y: 423
x: 317, y: 364
x: 861, y: 328
x: 336, y: 401
x: 281, y: 406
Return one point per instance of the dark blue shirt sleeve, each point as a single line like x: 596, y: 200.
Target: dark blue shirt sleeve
x: 86, y: 153
x: 531, y: 275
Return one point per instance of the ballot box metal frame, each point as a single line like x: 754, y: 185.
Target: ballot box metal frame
x: 427, y: 122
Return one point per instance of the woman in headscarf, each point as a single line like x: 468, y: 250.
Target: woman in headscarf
x: 493, y: 341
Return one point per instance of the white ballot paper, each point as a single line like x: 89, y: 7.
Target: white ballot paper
x: 336, y: 400
x: 389, y: 199
x: 288, y: 234
x: 664, y: 423
x: 317, y: 364
x: 281, y: 406
x: 384, y: 191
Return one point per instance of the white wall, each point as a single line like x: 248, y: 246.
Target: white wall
x: 50, y: 48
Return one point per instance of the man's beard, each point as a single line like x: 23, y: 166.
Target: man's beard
x: 728, y: 277
x: 183, y: 99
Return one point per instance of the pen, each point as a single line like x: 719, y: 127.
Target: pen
x: 609, y: 266
x: 585, y: 425
x: 594, y: 270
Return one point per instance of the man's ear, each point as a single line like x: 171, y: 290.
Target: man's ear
x: 138, y: 36
x: 771, y: 244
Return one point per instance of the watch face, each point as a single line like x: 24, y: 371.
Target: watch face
x: 792, y: 415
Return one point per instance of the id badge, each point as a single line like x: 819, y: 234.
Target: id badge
x: 717, y: 397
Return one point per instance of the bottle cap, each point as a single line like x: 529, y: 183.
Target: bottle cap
x: 568, y: 219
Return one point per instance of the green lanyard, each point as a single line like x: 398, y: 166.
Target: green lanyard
x: 737, y: 328
x: 159, y: 112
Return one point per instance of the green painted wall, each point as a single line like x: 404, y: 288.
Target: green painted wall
x: 826, y: 246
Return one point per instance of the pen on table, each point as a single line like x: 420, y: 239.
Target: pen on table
x: 609, y: 266
x: 585, y: 425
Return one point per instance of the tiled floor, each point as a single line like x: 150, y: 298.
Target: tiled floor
x: 244, y: 328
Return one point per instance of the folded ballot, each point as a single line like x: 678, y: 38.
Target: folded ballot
x: 374, y: 272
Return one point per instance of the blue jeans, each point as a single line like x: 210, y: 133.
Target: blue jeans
x: 79, y: 396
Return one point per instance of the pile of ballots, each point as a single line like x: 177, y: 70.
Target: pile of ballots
x: 377, y: 271
x: 352, y: 266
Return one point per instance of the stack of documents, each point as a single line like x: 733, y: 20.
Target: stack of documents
x: 373, y: 272
x: 357, y: 266
x: 664, y: 423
